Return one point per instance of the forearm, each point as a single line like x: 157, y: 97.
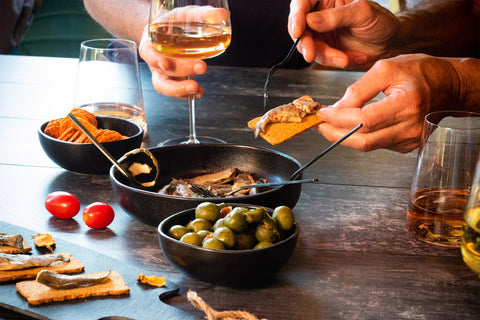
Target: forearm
x: 124, y: 19
x: 448, y: 28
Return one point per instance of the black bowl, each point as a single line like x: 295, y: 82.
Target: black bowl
x: 85, y: 157
x: 224, y: 267
x: 185, y: 161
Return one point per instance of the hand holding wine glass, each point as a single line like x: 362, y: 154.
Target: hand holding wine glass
x: 190, y: 29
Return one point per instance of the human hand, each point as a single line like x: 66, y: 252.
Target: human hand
x: 169, y: 75
x: 354, y: 34
x: 414, y: 85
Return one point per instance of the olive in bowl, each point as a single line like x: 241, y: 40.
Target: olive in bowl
x: 224, y: 256
x: 85, y: 157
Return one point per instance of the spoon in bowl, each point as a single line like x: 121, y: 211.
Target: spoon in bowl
x: 122, y: 165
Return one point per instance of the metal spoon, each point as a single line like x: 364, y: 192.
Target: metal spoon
x: 107, y: 154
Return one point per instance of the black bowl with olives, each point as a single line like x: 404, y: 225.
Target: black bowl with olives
x: 229, y: 244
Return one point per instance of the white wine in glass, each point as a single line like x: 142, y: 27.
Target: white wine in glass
x: 190, y: 29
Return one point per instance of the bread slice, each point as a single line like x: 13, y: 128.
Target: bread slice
x: 37, y: 293
x: 276, y: 133
x: 13, y: 250
x: 73, y: 266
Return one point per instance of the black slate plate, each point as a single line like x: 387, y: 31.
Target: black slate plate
x: 143, y: 302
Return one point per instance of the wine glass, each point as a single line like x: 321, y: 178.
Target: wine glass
x: 190, y: 29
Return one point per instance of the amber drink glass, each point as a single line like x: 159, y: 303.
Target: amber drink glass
x: 446, y: 163
x: 470, y: 241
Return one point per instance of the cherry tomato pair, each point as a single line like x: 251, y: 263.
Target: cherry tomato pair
x: 64, y: 205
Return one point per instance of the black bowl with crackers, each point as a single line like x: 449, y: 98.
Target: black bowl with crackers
x: 192, y: 160
x: 236, y: 268
x: 83, y: 156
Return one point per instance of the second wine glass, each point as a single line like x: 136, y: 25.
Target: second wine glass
x: 190, y: 29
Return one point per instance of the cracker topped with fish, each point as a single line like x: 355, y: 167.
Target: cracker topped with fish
x: 24, y: 266
x: 286, y: 121
x: 50, y: 286
x: 13, y: 243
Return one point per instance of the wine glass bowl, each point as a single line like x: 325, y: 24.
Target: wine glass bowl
x: 190, y: 29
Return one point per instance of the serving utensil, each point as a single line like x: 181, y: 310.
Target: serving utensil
x: 270, y: 184
x: 266, y: 90
x: 122, y: 169
x: 324, y: 152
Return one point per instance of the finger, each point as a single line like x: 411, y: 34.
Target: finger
x: 181, y: 89
x: 296, y: 18
x: 398, y: 138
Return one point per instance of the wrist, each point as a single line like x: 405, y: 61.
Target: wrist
x: 468, y: 83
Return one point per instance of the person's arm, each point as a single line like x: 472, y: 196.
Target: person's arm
x: 358, y: 33
x: 414, y: 85
x: 446, y: 28
x: 125, y: 19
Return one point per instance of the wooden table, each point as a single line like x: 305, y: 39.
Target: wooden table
x: 354, y: 258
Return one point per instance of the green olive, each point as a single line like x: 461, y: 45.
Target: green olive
x: 203, y: 233
x: 236, y: 221
x: 213, y: 243
x: 263, y: 244
x: 264, y: 233
x: 220, y: 223
x: 284, y: 218
x: 255, y: 215
x: 177, y: 231
x: 244, y: 241
x: 208, y: 211
x: 270, y: 223
x: 199, y: 224
x: 225, y: 235
x: 192, y: 238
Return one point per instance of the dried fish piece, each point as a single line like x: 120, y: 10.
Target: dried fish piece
x: 44, y: 240
x: 152, y: 280
x: 10, y: 262
x: 224, y: 176
x: 65, y: 281
x: 11, y: 240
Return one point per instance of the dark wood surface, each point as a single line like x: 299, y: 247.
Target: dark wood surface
x: 354, y: 258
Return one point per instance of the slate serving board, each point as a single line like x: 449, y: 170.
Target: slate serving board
x: 143, y: 302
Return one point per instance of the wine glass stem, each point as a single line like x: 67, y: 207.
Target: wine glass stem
x: 191, y: 109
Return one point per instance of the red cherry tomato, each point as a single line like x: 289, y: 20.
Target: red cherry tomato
x: 62, y: 204
x: 98, y: 215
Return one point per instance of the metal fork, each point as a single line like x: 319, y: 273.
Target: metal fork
x: 266, y: 90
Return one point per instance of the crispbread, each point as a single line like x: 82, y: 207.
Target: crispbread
x: 73, y: 266
x: 37, y: 293
x: 13, y: 250
x: 276, y: 133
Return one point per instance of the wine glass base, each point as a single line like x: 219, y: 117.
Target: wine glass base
x: 188, y: 140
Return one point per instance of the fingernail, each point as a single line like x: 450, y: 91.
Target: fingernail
x: 160, y: 66
x: 191, y: 89
x: 338, y: 62
x: 198, y: 68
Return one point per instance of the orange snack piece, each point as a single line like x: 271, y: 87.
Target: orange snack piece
x: 152, y: 280
x: 64, y: 129
x: 276, y: 133
x: 44, y: 240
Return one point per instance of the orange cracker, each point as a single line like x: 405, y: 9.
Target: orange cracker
x: 73, y: 266
x: 37, y: 293
x: 276, y: 133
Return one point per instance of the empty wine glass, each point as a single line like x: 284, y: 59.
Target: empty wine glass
x: 190, y: 29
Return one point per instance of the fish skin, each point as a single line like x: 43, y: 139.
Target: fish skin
x: 9, y: 262
x: 65, y: 281
x: 11, y: 240
x: 291, y: 112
